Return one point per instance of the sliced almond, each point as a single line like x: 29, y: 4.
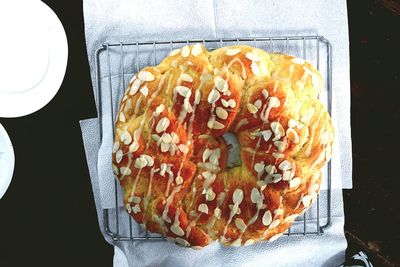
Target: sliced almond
x: 135, y: 87
x: 267, y: 218
x: 233, y: 51
x: 258, y: 103
x: 239, y: 223
x: 255, y: 195
x: 213, y: 96
x: 197, y: 50
x: 162, y: 125
x: 292, y: 135
x: 144, y: 90
x: 298, y: 61
x: 185, y: 51
x: 277, y: 128
x: 252, y: 56
x: 266, y: 135
x: 295, y: 182
x: 146, y: 76
x: 265, y: 93
x: 274, y: 102
x: 221, y: 113
x: 215, y: 125
x: 175, y: 52
x: 251, y: 108
x: 237, y: 196
x: 186, y: 78
x: 125, y: 171
x: 134, y: 147
x: 285, y: 165
x: 203, y: 208
x: 183, y: 91
x: 121, y: 117
x: 220, y: 84
x: 255, y: 69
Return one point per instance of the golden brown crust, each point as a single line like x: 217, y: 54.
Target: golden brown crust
x: 171, y: 159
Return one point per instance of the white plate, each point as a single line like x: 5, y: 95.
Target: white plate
x: 34, y: 54
x: 6, y: 161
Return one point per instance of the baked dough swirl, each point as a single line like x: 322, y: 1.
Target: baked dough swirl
x: 171, y: 159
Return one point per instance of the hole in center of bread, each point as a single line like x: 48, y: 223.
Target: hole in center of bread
x: 234, y: 159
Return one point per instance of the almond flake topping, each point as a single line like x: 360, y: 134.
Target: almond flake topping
x: 177, y: 230
x: 217, y: 213
x: 237, y: 196
x: 277, y: 128
x: 285, y: 165
x: 274, y: 224
x: 140, y: 162
x: 125, y: 137
x: 295, y: 182
x: 125, y: 171
x: 203, y: 208
x: 210, y: 194
x: 293, y: 136
x: 121, y: 117
x: 270, y: 169
x: 255, y: 69
x: 186, y: 78
x: 144, y: 90
x: 258, y: 103
x: 215, y: 125
x: 182, y: 242
x: 221, y: 113
x: 179, y: 180
x: 306, y: 201
x: 185, y: 51
x: 220, y: 84
x: 267, y: 218
x: 115, y: 169
x: 298, y: 61
x: 249, y: 242
x: 239, y: 223
x: 259, y: 167
x: 213, y: 96
x: 252, y: 56
x: 292, y: 123
x: 266, y: 135
x: 183, y: 148
x: 118, y: 156
x: 225, y: 103
x: 145, y: 76
x: 280, y: 145
x: 175, y: 52
x: 183, y: 91
x: 197, y: 50
x: 265, y: 93
x: 135, y: 87
x: 115, y: 147
x: 251, y: 108
x: 162, y: 125
x: 255, y: 195
x: 233, y: 51
x: 232, y: 103
x: 134, y: 147
x: 274, y: 102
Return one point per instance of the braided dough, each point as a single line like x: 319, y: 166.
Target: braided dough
x: 171, y: 159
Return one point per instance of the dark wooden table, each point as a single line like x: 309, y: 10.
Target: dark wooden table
x: 48, y: 216
x: 372, y: 206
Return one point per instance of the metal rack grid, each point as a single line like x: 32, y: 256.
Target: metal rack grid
x: 321, y: 57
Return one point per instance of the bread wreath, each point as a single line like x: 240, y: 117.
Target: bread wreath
x: 171, y: 159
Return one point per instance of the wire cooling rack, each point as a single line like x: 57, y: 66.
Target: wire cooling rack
x: 132, y: 56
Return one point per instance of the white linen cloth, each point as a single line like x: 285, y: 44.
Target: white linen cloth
x: 130, y: 21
